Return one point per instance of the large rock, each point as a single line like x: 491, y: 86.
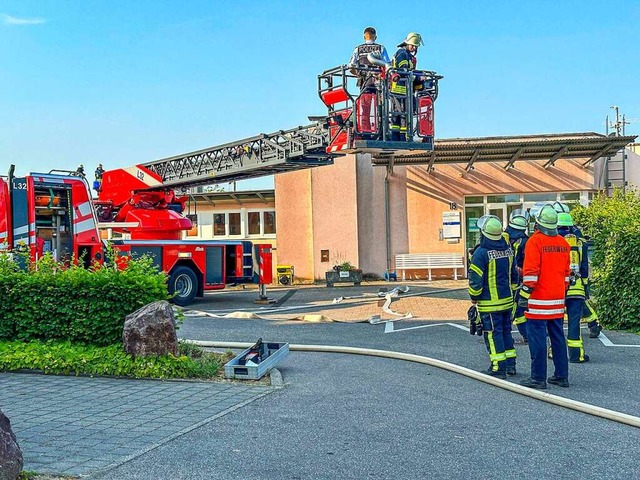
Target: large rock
x: 151, y: 331
x: 10, y: 455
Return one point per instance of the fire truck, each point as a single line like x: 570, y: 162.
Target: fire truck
x: 55, y: 211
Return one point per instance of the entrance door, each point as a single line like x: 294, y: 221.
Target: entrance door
x: 500, y: 211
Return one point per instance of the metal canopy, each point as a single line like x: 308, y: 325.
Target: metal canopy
x: 588, y: 146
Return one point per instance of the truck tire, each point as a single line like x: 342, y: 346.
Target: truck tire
x: 183, y: 282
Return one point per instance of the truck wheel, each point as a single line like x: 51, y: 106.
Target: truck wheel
x: 184, y: 284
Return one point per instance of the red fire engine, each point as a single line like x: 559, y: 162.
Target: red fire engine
x: 54, y: 212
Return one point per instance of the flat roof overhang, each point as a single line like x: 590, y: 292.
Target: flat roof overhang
x: 588, y: 146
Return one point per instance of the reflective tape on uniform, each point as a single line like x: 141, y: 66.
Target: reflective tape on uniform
x: 530, y: 278
x: 539, y: 311
x: 535, y: 301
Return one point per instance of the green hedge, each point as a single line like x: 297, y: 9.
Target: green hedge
x: 75, y: 304
x: 613, y: 225
x: 64, y: 358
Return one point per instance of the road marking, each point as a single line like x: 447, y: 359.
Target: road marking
x: 389, y: 328
x: 608, y: 343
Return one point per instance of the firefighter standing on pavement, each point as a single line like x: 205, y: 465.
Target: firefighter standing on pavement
x: 491, y: 273
x: 517, y: 237
x: 545, y: 281
x: 367, y: 81
x: 578, y: 281
x: 404, y: 61
x: 589, y: 315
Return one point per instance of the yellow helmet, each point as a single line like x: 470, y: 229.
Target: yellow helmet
x: 413, y: 38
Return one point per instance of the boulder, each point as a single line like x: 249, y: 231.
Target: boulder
x: 151, y: 331
x: 11, y: 461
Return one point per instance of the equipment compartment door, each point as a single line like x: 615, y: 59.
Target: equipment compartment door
x: 214, y: 272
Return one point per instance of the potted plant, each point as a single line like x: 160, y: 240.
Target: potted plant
x: 343, y: 273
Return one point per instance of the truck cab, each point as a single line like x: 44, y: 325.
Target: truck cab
x: 51, y: 212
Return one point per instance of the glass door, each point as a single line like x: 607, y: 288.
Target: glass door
x: 500, y: 211
x: 472, y: 233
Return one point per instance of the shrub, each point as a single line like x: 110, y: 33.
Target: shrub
x: 65, y: 358
x: 49, y: 301
x: 613, y: 225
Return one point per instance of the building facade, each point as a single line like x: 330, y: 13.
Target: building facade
x: 340, y: 213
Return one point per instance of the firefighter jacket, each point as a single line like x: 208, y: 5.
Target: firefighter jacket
x: 402, y: 60
x: 517, y: 239
x: 359, y: 58
x: 490, y: 275
x: 545, y: 276
x: 579, y: 276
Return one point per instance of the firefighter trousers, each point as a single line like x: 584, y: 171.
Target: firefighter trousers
x: 575, y: 307
x: 398, y: 118
x: 498, y: 339
x: 537, y: 331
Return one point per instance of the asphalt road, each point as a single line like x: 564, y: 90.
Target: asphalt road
x: 342, y: 416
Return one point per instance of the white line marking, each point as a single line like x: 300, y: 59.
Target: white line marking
x: 605, y: 340
x: 392, y: 329
x: 457, y: 325
x: 608, y: 343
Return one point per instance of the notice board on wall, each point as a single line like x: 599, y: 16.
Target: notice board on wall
x: 451, y: 225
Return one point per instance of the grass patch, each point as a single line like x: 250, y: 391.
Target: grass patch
x: 66, y: 358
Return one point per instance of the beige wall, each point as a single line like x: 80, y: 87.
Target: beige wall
x: 317, y: 210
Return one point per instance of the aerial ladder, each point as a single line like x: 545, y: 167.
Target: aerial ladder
x: 141, y: 200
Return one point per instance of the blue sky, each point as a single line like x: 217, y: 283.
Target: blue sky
x: 123, y: 82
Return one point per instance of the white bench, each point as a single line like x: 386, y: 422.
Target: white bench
x: 422, y: 261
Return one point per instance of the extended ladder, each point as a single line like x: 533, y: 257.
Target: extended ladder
x: 264, y: 154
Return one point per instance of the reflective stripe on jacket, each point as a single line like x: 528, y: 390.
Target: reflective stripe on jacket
x: 579, y: 264
x: 490, y: 275
x: 402, y: 60
x: 546, y: 274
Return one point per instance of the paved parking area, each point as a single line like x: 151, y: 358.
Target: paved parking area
x: 78, y: 425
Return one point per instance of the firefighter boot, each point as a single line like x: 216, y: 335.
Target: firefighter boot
x: 498, y: 374
x: 561, y: 382
x: 531, y: 383
x: 594, y: 329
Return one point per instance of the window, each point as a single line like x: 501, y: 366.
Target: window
x: 253, y: 219
x: 234, y: 224
x: 570, y: 197
x: 476, y: 199
x: 219, y: 224
x: 540, y: 197
x: 269, y: 222
x: 193, y: 232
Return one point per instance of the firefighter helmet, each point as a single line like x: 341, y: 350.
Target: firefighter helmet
x: 413, y: 38
x: 490, y: 226
x: 565, y: 220
x: 547, y: 218
x: 518, y: 220
x: 561, y: 207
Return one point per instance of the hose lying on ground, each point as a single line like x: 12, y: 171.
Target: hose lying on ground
x: 519, y: 389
